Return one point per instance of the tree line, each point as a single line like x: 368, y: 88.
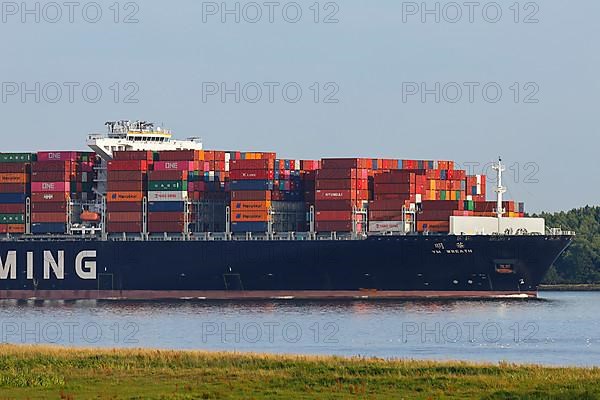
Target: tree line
x: 580, y: 263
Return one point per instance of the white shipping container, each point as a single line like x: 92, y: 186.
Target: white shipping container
x: 168, y: 196
x: 490, y: 225
x: 386, y: 226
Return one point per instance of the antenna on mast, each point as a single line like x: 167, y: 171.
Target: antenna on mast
x: 500, y: 190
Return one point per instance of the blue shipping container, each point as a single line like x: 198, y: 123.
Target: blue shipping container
x: 241, y: 227
x: 166, y: 206
x: 48, y: 228
x: 251, y: 185
x: 12, y: 198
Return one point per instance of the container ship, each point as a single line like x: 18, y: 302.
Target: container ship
x: 144, y: 216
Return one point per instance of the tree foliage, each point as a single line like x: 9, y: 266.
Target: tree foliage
x: 581, y: 261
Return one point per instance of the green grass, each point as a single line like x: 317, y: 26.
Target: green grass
x: 58, y: 373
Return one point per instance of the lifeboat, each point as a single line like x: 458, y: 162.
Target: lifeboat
x: 89, y: 216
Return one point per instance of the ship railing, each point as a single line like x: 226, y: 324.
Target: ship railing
x: 559, y: 232
x: 202, y: 236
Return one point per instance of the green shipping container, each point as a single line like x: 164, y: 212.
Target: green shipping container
x: 17, y: 157
x: 179, y: 186
x: 469, y: 205
x: 442, y: 195
x: 7, y: 219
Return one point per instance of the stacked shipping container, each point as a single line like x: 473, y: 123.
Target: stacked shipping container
x: 168, y: 186
x: 15, y: 175
x: 259, y: 188
x: 126, y: 190
x: 251, y: 187
x: 342, y: 186
x: 56, y: 179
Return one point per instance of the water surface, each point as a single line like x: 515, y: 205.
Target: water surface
x: 561, y: 329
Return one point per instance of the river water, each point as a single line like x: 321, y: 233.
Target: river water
x: 562, y: 328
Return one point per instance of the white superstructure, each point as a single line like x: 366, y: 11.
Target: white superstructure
x: 138, y: 135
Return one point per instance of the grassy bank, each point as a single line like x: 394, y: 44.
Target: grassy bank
x: 44, y: 372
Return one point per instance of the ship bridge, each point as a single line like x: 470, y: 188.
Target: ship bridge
x: 137, y: 136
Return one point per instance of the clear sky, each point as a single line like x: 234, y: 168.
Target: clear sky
x: 392, y: 81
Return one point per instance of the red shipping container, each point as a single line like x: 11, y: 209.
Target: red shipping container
x: 52, y: 166
x: 14, y: 168
x: 181, y: 155
x: 401, y: 188
x: 332, y: 205
x: 14, y: 188
x: 125, y: 186
x: 219, y: 165
x: 57, y: 156
x: 124, y: 217
x: 49, y: 197
x: 268, y: 164
x: 395, y: 196
x: 166, y: 217
x: 442, y: 205
x: 60, y: 187
x: 334, y: 226
x: 45, y: 207
x: 125, y: 175
x: 251, y: 174
x: 124, y: 227
x: 167, y: 176
x: 433, y: 226
x: 49, y: 217
x: 127, y: 165
x: 385, y: 205
x: 12, y: 208
x: 169, y: 227
x: 124, y: 206
x: 389, y: 215
x: 60, y: 176
x: 175, y: 166
x: 250, y: 195
x: 335, y: 195
x: 398, y: 176
x: 133, y: 155
x: 335, y: 184
x: 340, y: 163
x: 439, y: 215
x: 333, y: 216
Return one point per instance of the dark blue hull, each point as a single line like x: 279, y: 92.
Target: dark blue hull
x: 386, y: 266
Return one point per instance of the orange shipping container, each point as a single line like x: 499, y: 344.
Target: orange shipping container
x: 14, y: 178
x: 125, y: 196
x: 250, y: 216
x: 250, y: 205
x: 16, y: 228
